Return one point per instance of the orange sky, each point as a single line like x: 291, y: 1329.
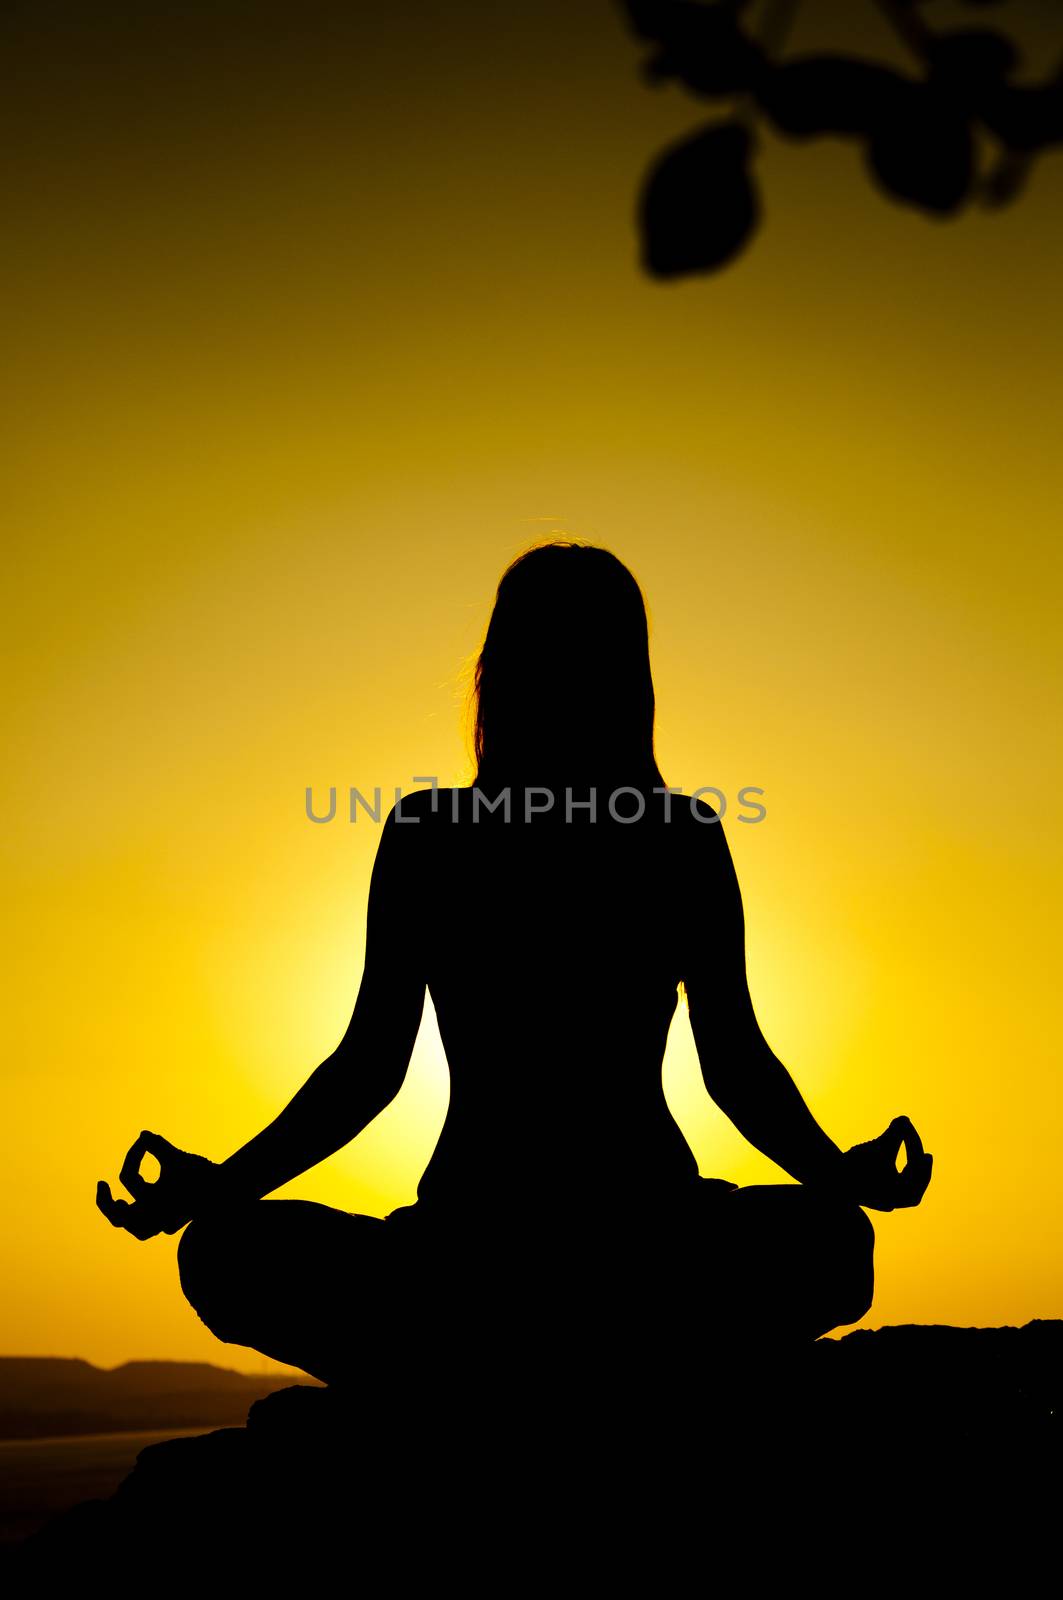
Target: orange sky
x: 308, y: 337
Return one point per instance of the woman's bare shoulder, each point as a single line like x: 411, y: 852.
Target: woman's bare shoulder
x: 431, y: 811
x: 415, y: 805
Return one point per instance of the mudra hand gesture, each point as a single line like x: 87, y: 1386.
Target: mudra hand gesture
x: 871, y: 1169
x: 186, y: 1185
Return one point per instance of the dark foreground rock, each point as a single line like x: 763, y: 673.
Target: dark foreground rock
x: 914, y: 1456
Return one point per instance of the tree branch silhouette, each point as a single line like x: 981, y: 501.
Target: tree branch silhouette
x: 700, y: 203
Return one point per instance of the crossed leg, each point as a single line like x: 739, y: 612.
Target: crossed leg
x: 784, y: 1263
x: 338, y: 1294
x: 326, y: 1290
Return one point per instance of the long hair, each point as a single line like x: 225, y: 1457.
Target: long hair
x: 562, y: 690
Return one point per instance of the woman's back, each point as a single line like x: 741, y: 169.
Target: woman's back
x: 552, y: 954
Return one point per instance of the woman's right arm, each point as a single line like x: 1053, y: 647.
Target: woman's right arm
x: 341, y: 1096
x: 368, y: 1067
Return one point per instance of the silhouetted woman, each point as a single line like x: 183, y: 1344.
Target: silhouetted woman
x: 553, y: 910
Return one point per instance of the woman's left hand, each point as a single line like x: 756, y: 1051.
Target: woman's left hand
x: 186, y: 1184
x: 871, y: 1168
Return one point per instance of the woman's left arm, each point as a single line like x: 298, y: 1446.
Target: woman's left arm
x: 742, y: 1073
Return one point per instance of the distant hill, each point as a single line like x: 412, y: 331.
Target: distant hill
x: 43, y: 1396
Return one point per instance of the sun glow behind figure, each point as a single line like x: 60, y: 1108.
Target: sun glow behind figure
x: 273, y: 456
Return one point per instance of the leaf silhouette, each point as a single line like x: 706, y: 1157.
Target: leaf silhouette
x: 1027, y: 119
x: 924, y: 157
x: 918, y: 130
x: 830, y: 94
x: 699, y: 205
x: 702, y: 46
x: 968, y: 68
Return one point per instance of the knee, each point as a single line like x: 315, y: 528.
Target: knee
x: 205, y: 1265
x: 855, y: 1226
x: 193, y: 1262
x: 856, y: 1245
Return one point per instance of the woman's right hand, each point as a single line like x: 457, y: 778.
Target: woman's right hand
x: 186, y: 1185
x: 871, y: 1169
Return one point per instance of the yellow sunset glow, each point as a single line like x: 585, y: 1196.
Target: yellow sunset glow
x: 300, y: 361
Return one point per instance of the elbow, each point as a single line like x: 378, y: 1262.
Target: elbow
x: 357, y: 1093
x: 726, y: 1095
x: 732, y: 1052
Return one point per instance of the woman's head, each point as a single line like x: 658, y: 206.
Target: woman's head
x: 562, y: 692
